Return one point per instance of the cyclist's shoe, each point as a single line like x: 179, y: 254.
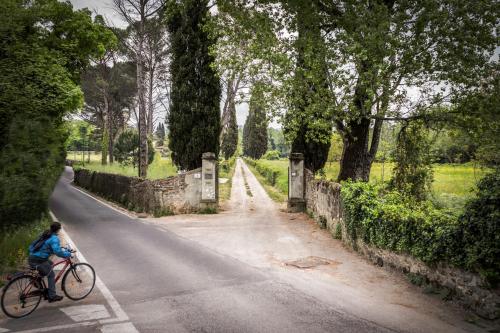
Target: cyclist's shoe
x: 56, y: 298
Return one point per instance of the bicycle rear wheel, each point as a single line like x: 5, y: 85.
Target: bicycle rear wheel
x: 21, y: 296
x: 78, y: 281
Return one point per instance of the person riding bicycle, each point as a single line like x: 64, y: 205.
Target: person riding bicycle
x: 40, y: 250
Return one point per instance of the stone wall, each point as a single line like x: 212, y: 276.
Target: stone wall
x: 178, y: 194
x: 324, y: 203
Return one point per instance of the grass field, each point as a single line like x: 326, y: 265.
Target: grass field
x: 160, y: 168
x: 453, y: 183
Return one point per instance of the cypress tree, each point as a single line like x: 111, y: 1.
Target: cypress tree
x: 255, y: 129
x: 230, y: 136
x: 194, y: 118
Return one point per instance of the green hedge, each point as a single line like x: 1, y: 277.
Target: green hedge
x: 389, y: 221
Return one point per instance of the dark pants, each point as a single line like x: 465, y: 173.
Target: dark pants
x: 44, y: 266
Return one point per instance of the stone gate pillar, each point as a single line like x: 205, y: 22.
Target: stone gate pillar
x: 209, y: 180
x: 296, y: 183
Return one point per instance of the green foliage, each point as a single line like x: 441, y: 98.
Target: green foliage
x: 274, y: 174
x: 272, y: 155
x: 81, y: 136
x: 163, y: 211
x: 226, y: 166
x: 412, y: 174
x: 109, y: 93
x: 126, y: 149
x: 160, y: 134
x: 43, y: 49
x: 372, y: 52
x: 230, y: 136
x: 397, y: 223
x: 479, y: 119
x: 160, y: 168
x: 308, y: 122
x: 338, y: 231
x: 480, y: 229
x: 14, y: 244
x: 208, y: 210
x: 276, y: 141
x: 453, y: 146
x: 335, y: 150
x: 255, y: 129
x: 226, y: 170
x: 194, y: 116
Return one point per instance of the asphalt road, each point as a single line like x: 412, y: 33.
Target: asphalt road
x: 166, y: 283
x: 225, y: 273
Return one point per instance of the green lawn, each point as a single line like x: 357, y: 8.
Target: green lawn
x: 160, y: 168
x: 453, y: 183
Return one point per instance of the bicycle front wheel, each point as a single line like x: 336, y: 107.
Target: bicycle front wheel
x: 21, y: 296
x: 78, y: 281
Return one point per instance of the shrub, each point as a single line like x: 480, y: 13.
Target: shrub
x: 225, y: 166
x: 397, y: 223
x: 479, y: 230
x: 272, y: 155
x: 126, y: 149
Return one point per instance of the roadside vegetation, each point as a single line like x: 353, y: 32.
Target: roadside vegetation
x: 14, y: 245
x: 271, y: 178
x: 226, y: 171
x: 453, y: 183
x: 161, y: 167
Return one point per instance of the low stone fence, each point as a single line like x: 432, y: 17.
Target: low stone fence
x: 323, y: 201
x: 178, y: 194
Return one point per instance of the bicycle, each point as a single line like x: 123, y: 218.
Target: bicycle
x: 24, y: 291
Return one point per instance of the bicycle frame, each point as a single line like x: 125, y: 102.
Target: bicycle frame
x: 67, y: 262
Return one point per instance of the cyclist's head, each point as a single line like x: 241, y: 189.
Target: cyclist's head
x: 55, y: 227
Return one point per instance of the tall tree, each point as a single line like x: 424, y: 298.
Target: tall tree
x: 110, y: 91
x: 136, y: 13
x: 194, y: 117
x: 386, y: 60
x: 156, y: 66
x: 384, y: 49
x: 229, y: 142
x: 43, y: 49
x: 308, y: 119
x: 255, y: 129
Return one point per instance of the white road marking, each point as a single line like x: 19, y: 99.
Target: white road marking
x: 86, y: 312
x: 113, y: 303
x: 104, y: 203
x: 120, y: 314
x: 59, y: 327
x: 119, y: 328
x: 3, y: 330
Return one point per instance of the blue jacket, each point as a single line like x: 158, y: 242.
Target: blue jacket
x: 50, y: 247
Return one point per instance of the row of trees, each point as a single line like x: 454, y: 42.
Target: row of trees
x: 161, y: 62
x: 353, y: 66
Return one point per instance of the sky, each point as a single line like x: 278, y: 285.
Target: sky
x: 105, y: 8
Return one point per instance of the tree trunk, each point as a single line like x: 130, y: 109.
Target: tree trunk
x: 110, y: 137
x: 356, y: 161
x: 143, y: 138
x: 150, y: 101
x: 105, y: 134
